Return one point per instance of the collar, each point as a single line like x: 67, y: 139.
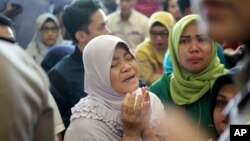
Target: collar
x: 131, y: 18
x: 77, y: 55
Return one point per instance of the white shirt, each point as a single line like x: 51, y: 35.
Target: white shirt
x: 133, y: 31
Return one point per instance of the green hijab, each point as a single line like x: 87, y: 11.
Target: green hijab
x: 186, y: 87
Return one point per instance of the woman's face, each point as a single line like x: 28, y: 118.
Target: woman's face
x: 49, y: 33
x: 194, y: 49
x: 124, y: 73
x: 173, y: 9
x: 225, y: 94
x: 159, y: 37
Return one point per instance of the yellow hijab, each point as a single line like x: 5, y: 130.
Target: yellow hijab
x: 168, y: 21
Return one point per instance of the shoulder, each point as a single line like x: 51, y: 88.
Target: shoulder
x: 154, y: 99
x: 161, y: 88
x: 115, y: 13
x: 88, y: 129
x: 65, y: 61
x: 21, y: 66
x: 113, y: 16
x: 31, y: 47
x: 64, y: 66
x: 143, y: 48
x: 142, y: 17
x: 161, y: 83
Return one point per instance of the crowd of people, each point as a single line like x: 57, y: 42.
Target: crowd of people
x: 123, y: 70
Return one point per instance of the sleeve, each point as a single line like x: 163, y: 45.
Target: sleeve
x: 58, y: 123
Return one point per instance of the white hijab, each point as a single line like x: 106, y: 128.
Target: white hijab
x: 103, y: 103
x: 36, y: 48
x: 97, y: 58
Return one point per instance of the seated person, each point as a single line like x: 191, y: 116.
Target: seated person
x: 195, y: 68
x: 224, y: 89
x: 47, y: 35
x: 168, y: 67
x: 115, y: 108
x: 150, y: 52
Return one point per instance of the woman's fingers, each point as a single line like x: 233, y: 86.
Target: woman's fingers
x: 138, y: 107
x: 145, y: 94
x: 131, y: 102
x: 124, y: 106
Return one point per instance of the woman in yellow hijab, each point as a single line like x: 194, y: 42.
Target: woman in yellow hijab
x: 195, y: 68
x: 150, y: 53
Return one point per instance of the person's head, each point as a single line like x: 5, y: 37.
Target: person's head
x: 191, y: 49
x: 227, y: 19
x: 84, y: 20
x: 7, y: 31
x: 184, y: 7
x: 195, y: 62
x: 110, y: 66
x: 160, y: 24
x: 58, y: 13
x: 126, y: 6
x: 224, y: 89
x: 173, y: 8
x: 47, y: 29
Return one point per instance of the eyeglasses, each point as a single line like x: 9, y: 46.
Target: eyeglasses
x: 47, y: 29
x: 156, y: 34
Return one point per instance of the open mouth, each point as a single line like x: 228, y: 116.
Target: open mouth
x: 129, y: 78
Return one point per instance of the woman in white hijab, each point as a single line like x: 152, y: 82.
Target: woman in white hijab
x: 47, y: 35
x: 116, y: 108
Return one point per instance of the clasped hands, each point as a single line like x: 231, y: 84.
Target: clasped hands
x: 135, y: 113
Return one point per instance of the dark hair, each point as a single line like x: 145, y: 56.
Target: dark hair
x: 77, y: 15
x: 157, y: 24
x: 5, y: 21
x: 218, y: 84
x: 183, y: 5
